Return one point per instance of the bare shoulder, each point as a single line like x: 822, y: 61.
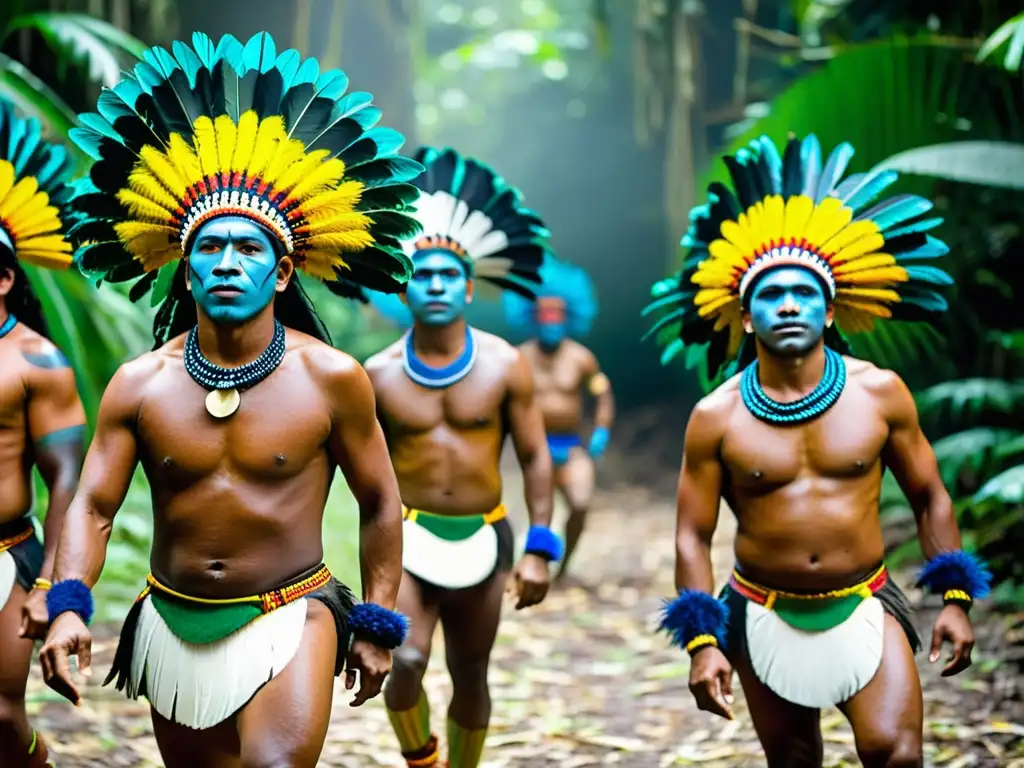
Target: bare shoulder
x: 327, y: 365
x: 385, y: 360
x: 496, y: 348
x: 893, y: 397
x: 44, y: 359
x: 712, y: 413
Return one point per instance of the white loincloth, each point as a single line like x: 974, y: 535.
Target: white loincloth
x: 201, y: 685
x: 449, y: 564
x: 816, y: 669
x: 8, y: 576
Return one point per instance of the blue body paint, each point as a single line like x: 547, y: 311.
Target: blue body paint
x: 788, y: 310
x: 438, y: 291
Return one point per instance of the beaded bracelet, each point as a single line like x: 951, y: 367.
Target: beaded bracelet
x: 71, y: 595
x: 377, y: 624
x: 694, y: 620
x: 42, y: 584
x: 701, y: 641
x: 960, y: 577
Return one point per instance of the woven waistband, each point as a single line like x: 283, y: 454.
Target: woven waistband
x: 767, y: 597
x: 268, y: 601
x: 496, y: 514
x: 16, y: 539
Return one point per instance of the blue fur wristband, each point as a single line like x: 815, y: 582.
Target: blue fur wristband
x: 956, y: 570
x: 544, y: 543
x: 692, y: 614
x: 378, y: 625
x: 70, y: 595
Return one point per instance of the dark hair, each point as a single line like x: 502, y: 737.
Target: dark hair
x: 21, y: 301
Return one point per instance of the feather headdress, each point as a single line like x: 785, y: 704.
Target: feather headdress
x: 794, y: 210
x: 559, y: 280
x: 232, y: 129
x: 34, y: 218
x: 466, y: 209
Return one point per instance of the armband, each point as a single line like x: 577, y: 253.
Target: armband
x: 377, y: 624
x: 544, y: 543
x: 960, y: 577
x: 598, y: 384
x: 694, y: 620
x: 43, y: 585
x: 71, y: 595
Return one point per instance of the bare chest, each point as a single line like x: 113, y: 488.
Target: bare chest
x: 12, y: 391
x: 281, y: 426
x: 474, y: 403
x: 844, y: 443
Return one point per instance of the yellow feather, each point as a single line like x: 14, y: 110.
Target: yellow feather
x: 346, y: 241
x: 43, y: 223
x: 184, y: 159
x: 321, y: 264
x: 6, y: 178
x: 323, y: 177
x: 340, y: 200
x: 727, y: 253
x: 55, y: 243
x: 888, y: 275
x: 45, y: 258
x: 707, y: 295
x: 245, y: 140
x: 162, y: 172
x: 857, y: 318
x: 38, y: 202
x: 226, y: 131
x: 268, y: 138
x: 864, y: 247
x: 774, y: 217
x: 707, y: 278
x: 738, y: 236
x: 142, y: 183
x: 713, y: 306
x: 849, y: 234
x: 300, y: 170
x: 130, y: 231
x: 867, y: 262
x: 871, y: 294
x: 755, y: 228
x: 153, y: 256
x: 144, y: 208
x: 829, y: 216
x: 338, y: 222
x: 798, y: 211
x: 204, y: 139
x: 288, y: 152
x: 20, y: 194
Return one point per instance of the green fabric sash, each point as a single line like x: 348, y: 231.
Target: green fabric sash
x: 816, y: 615
x: 450, y: 527
x: 201, y: 624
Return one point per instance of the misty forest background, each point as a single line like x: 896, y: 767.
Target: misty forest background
x: 609, y: 116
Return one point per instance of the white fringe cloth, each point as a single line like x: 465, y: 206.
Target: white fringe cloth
x: 8, y: 575
x: 449, y: 564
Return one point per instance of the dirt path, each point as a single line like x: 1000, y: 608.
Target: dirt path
x: 582, y: 680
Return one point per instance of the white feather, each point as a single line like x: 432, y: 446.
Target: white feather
x: 449, y: 564
x: 442, y: 214
x: 199, y: 686
x: 8, y: 575
x: 816, y: 669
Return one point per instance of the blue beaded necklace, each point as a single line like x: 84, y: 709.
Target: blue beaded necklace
x: 824, y: 396
x: 439, y: 378
x: 8, y: 325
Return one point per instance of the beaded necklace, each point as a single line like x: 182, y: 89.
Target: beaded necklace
x: 438, y: 378
x: 824, y: 396
x: 226, y: 383
x: 8, y: 325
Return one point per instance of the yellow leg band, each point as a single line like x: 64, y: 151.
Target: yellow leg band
x: 465, y: 746
x: 412, y: 726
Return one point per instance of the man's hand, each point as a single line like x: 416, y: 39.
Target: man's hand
x: 529, y: 581
x: 598, y: 443
x: 373, y: 664
x: 954, y: 626
x: 34, y: 616
x: 68, y: 636
x: 711, y: 682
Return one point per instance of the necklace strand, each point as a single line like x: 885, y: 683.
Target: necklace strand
x: 823, y: 397
x: 210, y: 376
x: 8, y: 325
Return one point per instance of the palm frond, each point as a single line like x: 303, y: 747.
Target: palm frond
x: 989, y: 163
x: 1005, y: 489
x: 1007, y: 40
x: 965, y: 458
x: 970, y: 398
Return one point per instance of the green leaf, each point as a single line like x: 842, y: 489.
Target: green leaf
x: 991, y: 163
x: 1005, y: 488
x: 1011, y: 35
x: 975, y: 453
x: 33, y: 98
x: 971, y: 397
x: 93, y: 43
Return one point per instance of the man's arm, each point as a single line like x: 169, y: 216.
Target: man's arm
x: 698, y: 498
x: 600, y: 389
x: 358, y: 446
x: 56, y: 427
x: 106, y: 475
x: 912, y: 461
x: 526, y: 425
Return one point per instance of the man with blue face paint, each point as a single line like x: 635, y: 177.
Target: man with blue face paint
x: 797, y: 444
x: 563, y: 368
x: 448, y: 396
x: 243, y: 413
x: 42, y: 422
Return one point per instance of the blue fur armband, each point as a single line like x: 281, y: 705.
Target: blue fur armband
x: 378, y: 625
x: 960, y: 577
x: 544, y: 543
x: 70, y: 595
x: 694, y: 620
